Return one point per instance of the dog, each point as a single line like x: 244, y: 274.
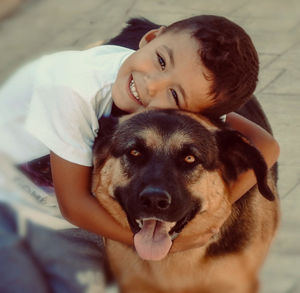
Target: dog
x: 165, y: 175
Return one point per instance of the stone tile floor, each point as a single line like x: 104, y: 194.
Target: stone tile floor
x: 37, y: 27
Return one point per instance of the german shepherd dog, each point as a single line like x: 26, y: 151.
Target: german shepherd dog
x: 165, y: 175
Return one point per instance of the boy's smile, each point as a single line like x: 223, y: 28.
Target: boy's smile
x: 133, y: 90
x: 166, y: 72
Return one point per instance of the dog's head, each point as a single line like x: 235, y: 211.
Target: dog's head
x: 159, y: 170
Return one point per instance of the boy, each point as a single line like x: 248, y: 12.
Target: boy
x: 203, y: 64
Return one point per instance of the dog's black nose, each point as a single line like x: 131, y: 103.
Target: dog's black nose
x: 155, y: 198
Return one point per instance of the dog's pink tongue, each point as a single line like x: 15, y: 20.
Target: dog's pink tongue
x: 152, y: 242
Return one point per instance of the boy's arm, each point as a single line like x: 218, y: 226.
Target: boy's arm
x: 72, y: 184
x: 262, y: 140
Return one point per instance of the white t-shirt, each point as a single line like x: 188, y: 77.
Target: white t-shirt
x: 54, y: 103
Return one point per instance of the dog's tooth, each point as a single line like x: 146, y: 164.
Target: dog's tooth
x: 174, y: 235
x: 139, y: 222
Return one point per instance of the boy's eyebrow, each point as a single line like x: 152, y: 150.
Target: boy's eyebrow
x: 170, y: 53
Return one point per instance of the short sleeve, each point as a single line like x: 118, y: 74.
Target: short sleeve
x: 71, y: 91
x: 64, y: 122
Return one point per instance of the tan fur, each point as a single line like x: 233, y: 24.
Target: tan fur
x: 192, y: 270
x: 203, y: 120
x: 154, y: 140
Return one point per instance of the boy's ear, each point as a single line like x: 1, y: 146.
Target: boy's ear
x: 150, y: 35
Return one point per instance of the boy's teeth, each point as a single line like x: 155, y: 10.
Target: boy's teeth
x: 133, y: 90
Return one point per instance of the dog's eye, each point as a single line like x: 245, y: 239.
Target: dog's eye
x: 135, y: 153
x: 189, y: 159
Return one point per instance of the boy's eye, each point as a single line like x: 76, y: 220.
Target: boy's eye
x: 161, y: 61
x: 175, y: 96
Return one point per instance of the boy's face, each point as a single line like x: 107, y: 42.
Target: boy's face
x: 166, y: 72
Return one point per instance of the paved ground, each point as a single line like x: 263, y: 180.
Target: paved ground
x: 40, y: 26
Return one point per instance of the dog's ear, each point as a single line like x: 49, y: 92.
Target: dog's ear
x: 102, y: 144
x: 237, y: 155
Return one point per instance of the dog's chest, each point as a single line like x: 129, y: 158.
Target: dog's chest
x: 175, y: 273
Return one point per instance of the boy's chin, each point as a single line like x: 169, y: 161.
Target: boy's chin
x: 118, y: 111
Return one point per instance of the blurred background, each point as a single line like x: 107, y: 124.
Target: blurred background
x: 30, y: 28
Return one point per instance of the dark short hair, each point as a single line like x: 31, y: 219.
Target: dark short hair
x: 227, y: 51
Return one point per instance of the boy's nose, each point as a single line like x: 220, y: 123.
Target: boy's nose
x: 156, y: 83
